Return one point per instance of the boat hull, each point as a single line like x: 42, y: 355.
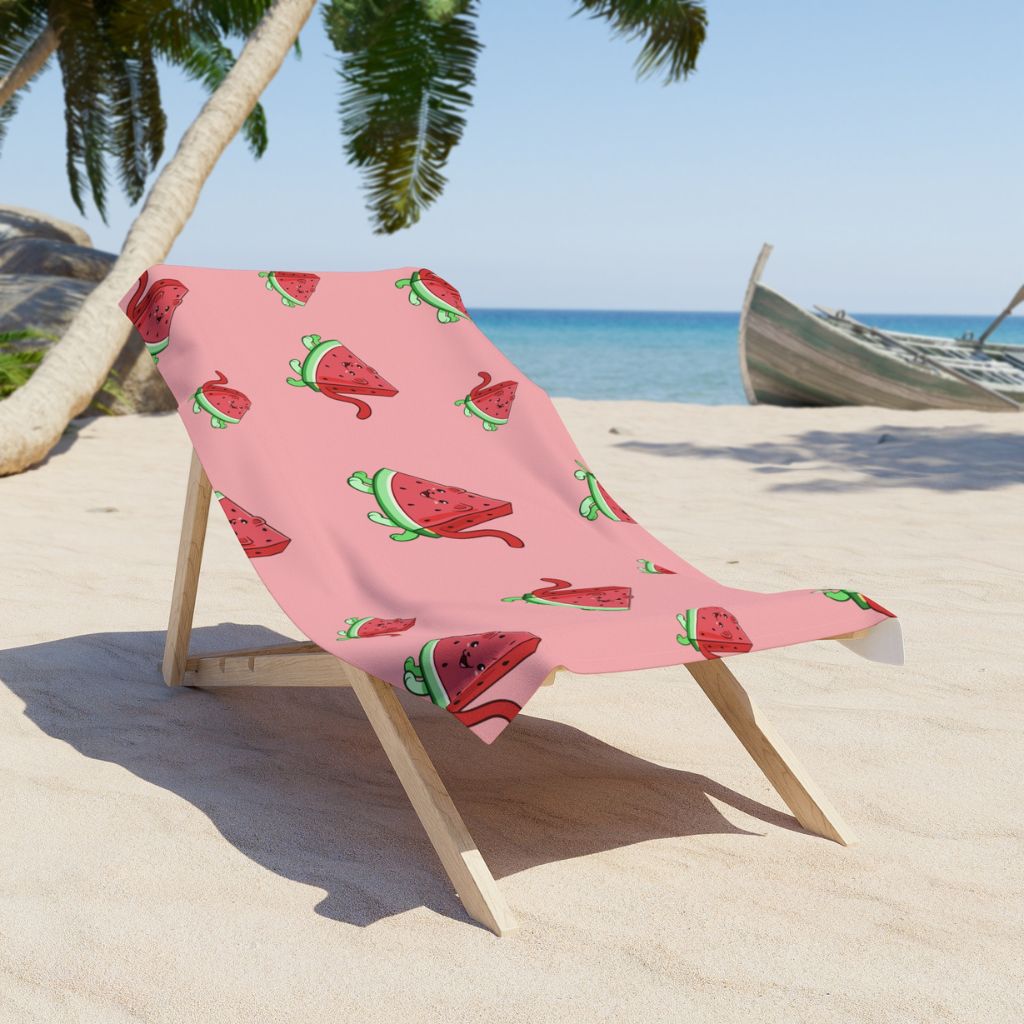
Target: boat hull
x: 791, y: 357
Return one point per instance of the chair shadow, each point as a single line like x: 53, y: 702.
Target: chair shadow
x: 938, y: 458
x: 295, y: 779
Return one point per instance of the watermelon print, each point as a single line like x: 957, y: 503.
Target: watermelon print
x: 425, y: 286
x: 713, y: 632
x: 258, y: 540
x: 860, y: 600
x: 337, y: 372
x: 346, y: 388
x: 456, y: 670
x: 360, y: 629
x: 152, y: 312
x: 489, y: 403
x: 224, y: 405
x: 649, y: 567
x: 599, y: 501
x: 295, y: 289
x: 422, y: 508
x: 590, y: 599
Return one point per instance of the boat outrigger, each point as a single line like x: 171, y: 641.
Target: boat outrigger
x: 792, y: 356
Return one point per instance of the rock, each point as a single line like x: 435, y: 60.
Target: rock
x: 48, y: 304
x: 54, y: 258
x: 17, y: 222
x: 47, y: 268
x: 40, y: 300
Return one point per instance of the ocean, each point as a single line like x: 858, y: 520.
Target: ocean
x: 663, y: 357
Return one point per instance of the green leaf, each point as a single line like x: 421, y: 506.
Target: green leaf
x: 407, y: 67
x: 673, y: 31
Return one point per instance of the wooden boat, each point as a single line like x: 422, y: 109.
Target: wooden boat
x: 792, y: 356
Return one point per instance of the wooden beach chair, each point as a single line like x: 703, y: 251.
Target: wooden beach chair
x: 306, y: 664
x: 397, y: 375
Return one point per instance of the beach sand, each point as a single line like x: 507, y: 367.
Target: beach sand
x: 248, y: 855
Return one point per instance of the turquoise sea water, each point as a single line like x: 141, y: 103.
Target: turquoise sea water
x: 665, y: 357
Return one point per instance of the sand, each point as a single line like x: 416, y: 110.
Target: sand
x: 247, y: 855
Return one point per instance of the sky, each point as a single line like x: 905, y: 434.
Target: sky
x: 877, y: 145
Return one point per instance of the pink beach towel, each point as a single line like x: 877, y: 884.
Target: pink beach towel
x: 416, y: 506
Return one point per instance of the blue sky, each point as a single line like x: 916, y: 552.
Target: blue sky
x: 877, y: 145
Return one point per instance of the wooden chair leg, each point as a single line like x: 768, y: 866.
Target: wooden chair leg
x: 803, y: 797
x: 186, y: 574
x: 466, y: 868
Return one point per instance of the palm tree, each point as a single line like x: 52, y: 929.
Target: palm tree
x: 407, y: 68
x: 107, y: 54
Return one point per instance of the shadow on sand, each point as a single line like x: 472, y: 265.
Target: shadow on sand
x: 937, y: 458
x: 295, y: 779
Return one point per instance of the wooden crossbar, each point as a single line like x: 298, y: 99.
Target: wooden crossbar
x: 304, y: 663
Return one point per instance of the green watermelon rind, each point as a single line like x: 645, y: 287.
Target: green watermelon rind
x: 352, y: 633
x: 472, y: 407
x: 595, y: 493
x: 204, y: 403
x: 272, y: 285
x: 389, y: 506
x: 313, y: 360
x: 533, y: 599
x: 418, y: 288
x: 438, y: 694
x: 690, y: 625
x: 156, y: 347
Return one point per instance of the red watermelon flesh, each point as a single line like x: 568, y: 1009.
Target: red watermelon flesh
x: 440, y: 288
x: 449, y: 511
x: 619, y: 511
x: 591, y: 597
x: 663, y: 571
x: 719, y: 632
x: 385, y: 627
x: 341, y: 373
x: 469, y: 665
x: 494, y: 399
x: 877, y: 607
x: 152, y: 313
x: 299, y: 286
x: 225, y: 400
x: 256, y: 537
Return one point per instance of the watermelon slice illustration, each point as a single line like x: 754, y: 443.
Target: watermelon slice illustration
x: 258, y: 540
x: 590, y: 599
x: 860, y: 600
x: 489, y: 403
x: 647, y: 566
x: 337, y: 372
x: 422, y: 508
x: 295, y: 289
x: 599, y: 501
x: 713, y: 632
x: 425, y: 286
x: 362, y: 628
x: 455, y: 670
x: 153, y: 311
x: 224, y: 405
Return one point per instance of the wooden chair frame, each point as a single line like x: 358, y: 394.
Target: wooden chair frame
x: 306, y: 664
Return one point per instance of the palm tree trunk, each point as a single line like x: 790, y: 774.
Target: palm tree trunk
x: 33, y: 418
x: 32, y: 61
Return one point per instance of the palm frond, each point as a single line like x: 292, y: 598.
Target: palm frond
x: 83, y: 62
x: 137, y: 121
x: 673, y: 31
x: 22, y: 22
x: 407, y: 71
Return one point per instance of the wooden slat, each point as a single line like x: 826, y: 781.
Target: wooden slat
x: 299, y: 669
x: 462, y: 860
x: 808, y: 803
x: 186, y: 573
